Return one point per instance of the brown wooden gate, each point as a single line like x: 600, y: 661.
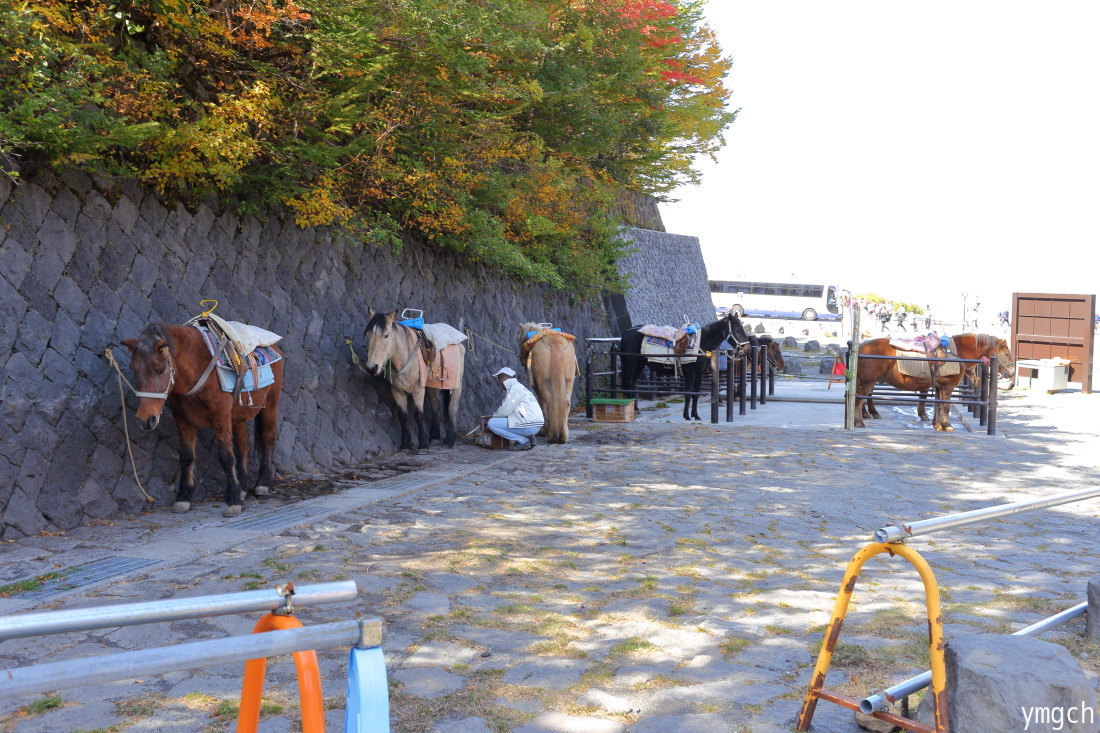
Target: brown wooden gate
x: 1050, y: 325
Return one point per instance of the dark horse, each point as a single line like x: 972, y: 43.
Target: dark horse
x: 726, y: 328
x: 173, y: 364
x: 773, y: 354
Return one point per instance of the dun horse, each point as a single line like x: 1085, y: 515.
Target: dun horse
x: 173, y: 364
x: 552, y: 366
x: 393, y: 352
x: 967, y: 346
x: 726, y: 328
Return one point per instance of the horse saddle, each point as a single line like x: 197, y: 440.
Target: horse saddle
x: 238, y: 372
x: 930, y: 348
x: 533, y: 337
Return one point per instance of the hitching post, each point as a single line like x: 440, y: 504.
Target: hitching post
x: 588, y: 383
x: 853, y: 368
x: 729, y: 387
x: 753, y: 353
x: 765, y: 364
x: 715, y: 393
x: 994, y: 374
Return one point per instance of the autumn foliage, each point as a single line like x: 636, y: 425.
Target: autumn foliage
x: 497, y: 128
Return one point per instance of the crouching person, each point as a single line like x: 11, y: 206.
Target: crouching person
x: 519, y: 417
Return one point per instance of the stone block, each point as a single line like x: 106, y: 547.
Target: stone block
x: 57, y: 237
x: 21, y: 515
x: 1003, y: 683
x: 71, y: 299
x: 34, y: 336
x: 792, y: 365
x: 812, y: 346
x: 125, y: 213
x: 790, y: 342
x: 17, y: 262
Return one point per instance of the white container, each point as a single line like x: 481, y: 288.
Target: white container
x: 1049, y: 375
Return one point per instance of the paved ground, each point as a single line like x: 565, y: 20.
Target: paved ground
x: 655, y: 576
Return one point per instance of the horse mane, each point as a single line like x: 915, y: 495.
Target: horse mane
x: 152, y: 334
x: 526, y: 328
x: 378, y: 319
x: 986, y: 342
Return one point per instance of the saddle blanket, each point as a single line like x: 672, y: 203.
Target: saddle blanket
x: 442, y: 373
x: 662, y: 354
x: 920, y: 344
x: 245, y: 337
x: 258, y: 374
x: 923, y: 369
x: 442, y: 335
x: 668, y: 333
x: 533, y: 337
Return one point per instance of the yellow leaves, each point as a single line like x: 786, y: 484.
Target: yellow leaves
x: 321, y: 206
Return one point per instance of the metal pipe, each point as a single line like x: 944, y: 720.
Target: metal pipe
x: 715, y: 393
x: 742, y: 389
x: 175, y: 609
x: 753, y: 352
x: 896, y: 533
x: 879, y: 700
x: 160, y: 660
x: 994, y: 376
x: 922, y: 358
x: 588, y: 393
x: 729, y: 386
x: 764, y: 364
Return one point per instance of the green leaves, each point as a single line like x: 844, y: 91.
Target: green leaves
x: 502, y: 130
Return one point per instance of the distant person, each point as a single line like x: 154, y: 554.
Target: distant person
x: 901, y: 320
x: 1004, y: 319
x: 975, y: 314
x: 927, y: 318
x: 884, y: 318
x: 913, y: 324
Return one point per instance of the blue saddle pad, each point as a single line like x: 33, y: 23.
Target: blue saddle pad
x: 417, y: 323
x: 227, y: 376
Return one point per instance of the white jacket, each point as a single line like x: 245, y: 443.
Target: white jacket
x: 520, y: 406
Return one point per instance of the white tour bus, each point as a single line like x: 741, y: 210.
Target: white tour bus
x: 778, y: 300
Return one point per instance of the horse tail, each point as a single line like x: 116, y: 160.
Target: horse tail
x: 555, y: 372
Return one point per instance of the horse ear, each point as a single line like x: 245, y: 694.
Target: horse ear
x: 130, y: 344
x: 370, y: 312
x: 392, y: 316
x: 160, y: 344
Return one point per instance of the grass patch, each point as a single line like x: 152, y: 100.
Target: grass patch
x: 631, y: 646
x: 141, y: 707
x: 42, y: 704
x: 731, y: 646
x: 30, y: 584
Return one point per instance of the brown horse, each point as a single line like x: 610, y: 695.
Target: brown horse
x: 551, y: 364
x: 173, y: 364
x: 967, y: 346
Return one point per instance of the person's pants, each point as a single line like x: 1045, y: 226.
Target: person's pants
x: 499, y: 425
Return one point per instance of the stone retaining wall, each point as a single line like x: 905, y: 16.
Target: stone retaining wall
x: 86, y: 263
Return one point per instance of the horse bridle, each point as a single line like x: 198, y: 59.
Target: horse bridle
x: 729, y: 329
x: 171, y: 379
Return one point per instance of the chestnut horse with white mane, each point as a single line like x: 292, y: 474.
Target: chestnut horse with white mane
x: 967, y: 346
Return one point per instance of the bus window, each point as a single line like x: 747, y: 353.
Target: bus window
x: 830, y: 301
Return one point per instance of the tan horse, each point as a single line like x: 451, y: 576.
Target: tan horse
x: 967, y: 346
x: 551, y: 364
x: 393, y: 353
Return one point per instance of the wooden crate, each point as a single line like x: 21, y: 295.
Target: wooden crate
x: 495, y: 442
x: 612, y: 410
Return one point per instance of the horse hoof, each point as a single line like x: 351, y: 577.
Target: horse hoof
x: 949, y: 429
x: 262, y: 491
x: 181, y: 507
x: 232, y: 511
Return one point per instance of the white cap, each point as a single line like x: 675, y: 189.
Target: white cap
x: 505, y: 370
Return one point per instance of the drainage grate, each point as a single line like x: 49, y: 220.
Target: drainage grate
x: 108, y: 567
x: 288, y: 516
x: 406, y: 481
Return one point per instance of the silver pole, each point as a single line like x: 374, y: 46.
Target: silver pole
x: 127, y: 665
x: 879, y: 700
x: 130, y: 614
x: 896, y: 533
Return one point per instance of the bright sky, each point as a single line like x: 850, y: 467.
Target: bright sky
x: 916, y: 150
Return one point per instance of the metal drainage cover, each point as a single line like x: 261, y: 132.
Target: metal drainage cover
x: 108, y: 567
x: 288, y: 516
x: 406, y: 481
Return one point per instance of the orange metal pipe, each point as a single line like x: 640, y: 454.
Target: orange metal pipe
x: 310, y: 697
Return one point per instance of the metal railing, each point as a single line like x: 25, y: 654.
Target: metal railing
x: 749, y: 373
x: 367, y: 695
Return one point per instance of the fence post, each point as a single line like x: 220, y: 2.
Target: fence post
x: 994, y: 374
x: 752, y: 376
x: 729, y: 387
x: 715, y: 391
x: 850, y: 401
x: 588, y: 383
x: 764, y: 366
x: 983, y: 395
x: 742, y: 386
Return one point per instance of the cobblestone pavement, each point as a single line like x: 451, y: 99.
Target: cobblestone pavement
x: 646, y: 577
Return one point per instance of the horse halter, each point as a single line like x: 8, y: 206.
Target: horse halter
x: 729, y: 330
x: 171, y: 380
